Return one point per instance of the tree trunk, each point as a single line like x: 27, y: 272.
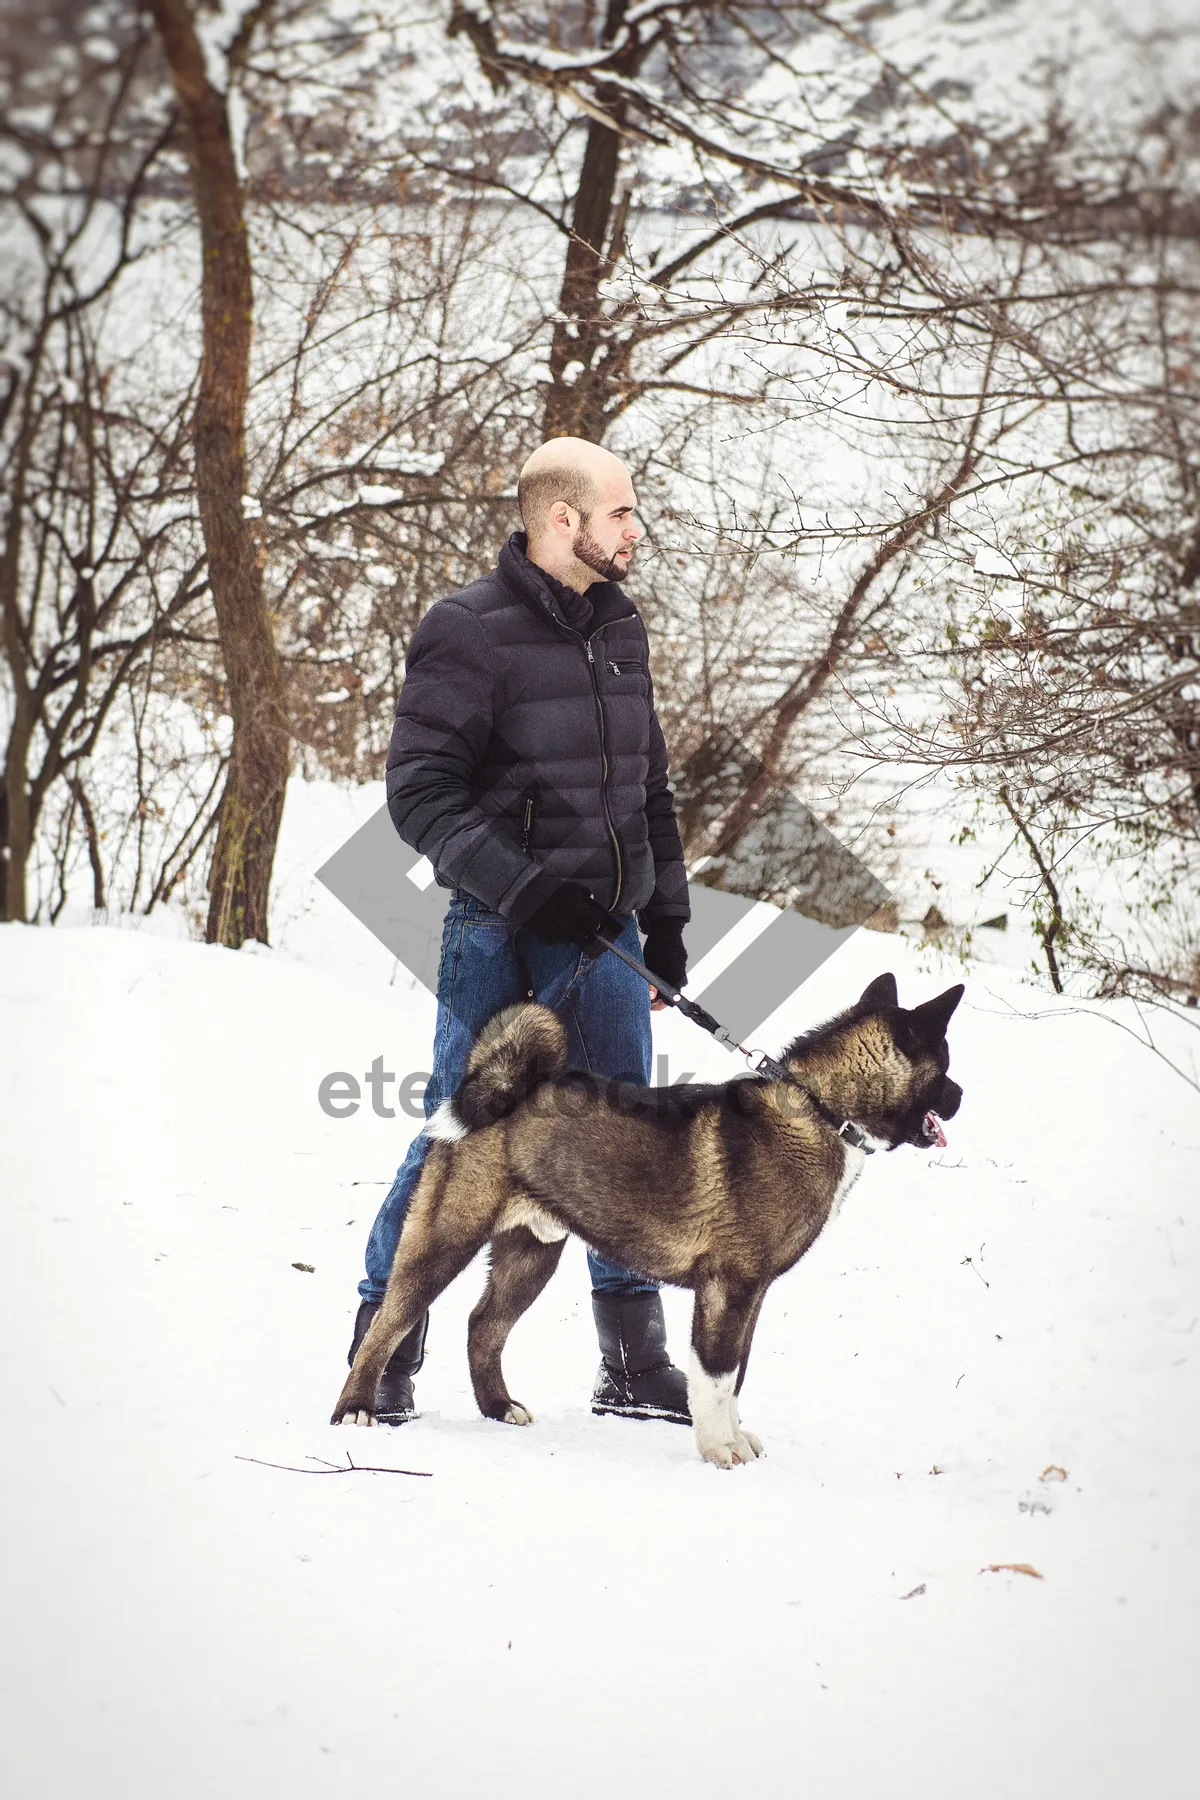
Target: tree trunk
x: 16, y: 811
x: 252, y: 805
x: 575, y: 407
x: 16, y: 825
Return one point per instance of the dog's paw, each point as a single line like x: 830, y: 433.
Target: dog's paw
x: 516, y: 1414
x: 746, y: 1446
x: 743, y: 1448
x: 362, y: 1417
x: 720, y: 1455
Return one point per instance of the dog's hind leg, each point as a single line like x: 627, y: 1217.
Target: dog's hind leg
x: 722, y: 1323
x: 522, y: 1264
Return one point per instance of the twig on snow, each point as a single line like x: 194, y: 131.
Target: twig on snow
x: 350, y: 1468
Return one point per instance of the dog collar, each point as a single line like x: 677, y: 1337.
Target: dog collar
x: 846, y: 1129
x: 856, y: 1137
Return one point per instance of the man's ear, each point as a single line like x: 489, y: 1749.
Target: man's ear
x: 928, y: 1023
x: 882, y: 992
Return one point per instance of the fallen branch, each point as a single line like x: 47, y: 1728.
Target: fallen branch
x: 351, y: 1468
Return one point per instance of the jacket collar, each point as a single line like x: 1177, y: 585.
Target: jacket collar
x: 538, y: 590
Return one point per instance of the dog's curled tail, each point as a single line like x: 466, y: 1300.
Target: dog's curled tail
x: 518, y: 1048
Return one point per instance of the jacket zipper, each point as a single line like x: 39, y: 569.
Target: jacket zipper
x: 527, y: 824
x: 587, y: 644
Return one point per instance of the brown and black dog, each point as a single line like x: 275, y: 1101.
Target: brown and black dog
x: 718, y: 1187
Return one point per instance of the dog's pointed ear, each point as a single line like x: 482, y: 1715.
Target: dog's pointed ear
x: 928, y: 1023
x: 882, y: 992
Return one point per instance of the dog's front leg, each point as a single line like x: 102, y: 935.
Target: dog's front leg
x: 722, y: 1321
x: 743, y: 1440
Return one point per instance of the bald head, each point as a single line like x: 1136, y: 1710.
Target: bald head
x: 568, y: 469
x: 576, y: 502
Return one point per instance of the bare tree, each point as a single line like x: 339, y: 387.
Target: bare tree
x: 93, y: 576
x: 1067, y: 666
x: 252, y: 804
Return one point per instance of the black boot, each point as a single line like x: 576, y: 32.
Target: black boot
x: 394, y: 1397
x: 637, y: 1378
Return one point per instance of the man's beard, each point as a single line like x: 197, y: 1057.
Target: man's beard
x: 592, y: 556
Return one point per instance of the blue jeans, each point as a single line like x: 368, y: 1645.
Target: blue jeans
x: 604, y: 1007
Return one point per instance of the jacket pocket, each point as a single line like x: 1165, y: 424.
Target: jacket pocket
x: 626, y: 666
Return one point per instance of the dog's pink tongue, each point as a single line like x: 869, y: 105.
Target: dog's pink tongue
x: 933, y: 1130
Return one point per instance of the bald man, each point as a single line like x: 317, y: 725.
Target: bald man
x: 527, y: 764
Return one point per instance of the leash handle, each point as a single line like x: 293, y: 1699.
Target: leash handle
x: 673, y: 997
x: 670, y: 994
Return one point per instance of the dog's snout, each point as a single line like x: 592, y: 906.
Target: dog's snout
x: 951, y: 1098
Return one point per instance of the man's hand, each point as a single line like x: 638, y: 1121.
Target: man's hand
x: 663, y: 954
x: 572, y: 915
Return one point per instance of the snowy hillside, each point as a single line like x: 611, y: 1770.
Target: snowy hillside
x: 583, y: 1607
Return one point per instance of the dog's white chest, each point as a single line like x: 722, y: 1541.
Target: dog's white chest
x: 851, y: 1170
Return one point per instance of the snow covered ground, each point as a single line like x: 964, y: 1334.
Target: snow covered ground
x: 585, y: 1606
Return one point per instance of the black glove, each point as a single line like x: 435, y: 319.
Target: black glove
x: 663, y: 952
x: 570, y: 915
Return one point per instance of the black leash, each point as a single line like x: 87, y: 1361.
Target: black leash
x: 766, y: 1065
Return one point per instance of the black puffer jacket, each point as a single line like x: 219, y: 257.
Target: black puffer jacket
x: 526, y: 752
